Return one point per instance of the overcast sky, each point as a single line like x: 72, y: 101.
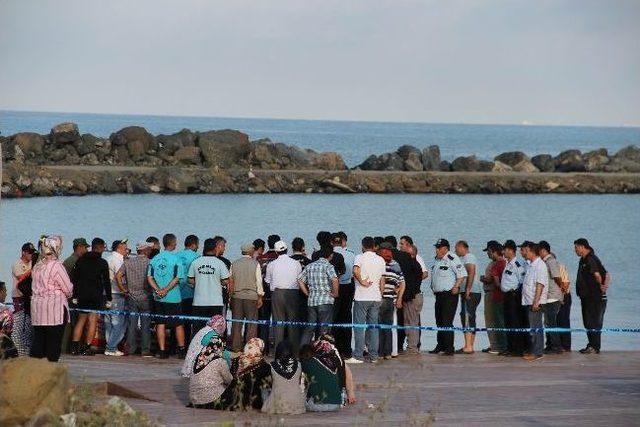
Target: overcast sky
x: 475, y: 61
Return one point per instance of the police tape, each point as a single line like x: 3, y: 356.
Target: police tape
x: 352, y: 325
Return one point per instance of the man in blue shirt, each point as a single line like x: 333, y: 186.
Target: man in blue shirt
x: 165, y: 272
x: 186, y: 257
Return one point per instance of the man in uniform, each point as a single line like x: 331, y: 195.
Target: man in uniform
x: 447, y: 274
x: 511, y: 286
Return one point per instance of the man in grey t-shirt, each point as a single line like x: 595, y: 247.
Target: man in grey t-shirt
x: 554, y: 299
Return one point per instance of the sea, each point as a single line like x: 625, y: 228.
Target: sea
x: 610, y: 222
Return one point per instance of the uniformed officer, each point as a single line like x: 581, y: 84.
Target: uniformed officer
x: 511, y: 285
x: 447, y: 274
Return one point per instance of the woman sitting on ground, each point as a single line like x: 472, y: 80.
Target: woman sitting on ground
x: 7, y: 349
x: 287, y: 391
x: 252, y: 379
x: 215, y: 327
x: 326, y: 376
x: 210, y: 375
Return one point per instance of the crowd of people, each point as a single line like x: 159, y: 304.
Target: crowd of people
x: 334, y: 285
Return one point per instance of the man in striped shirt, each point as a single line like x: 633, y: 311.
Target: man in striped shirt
x: 392, y: 291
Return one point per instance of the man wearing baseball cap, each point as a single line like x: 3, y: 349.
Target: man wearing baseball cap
x: 447, y: 274
x: 80, y: 247
x: 511, y: 286
x: 282, y: 278
x: 20, y: 270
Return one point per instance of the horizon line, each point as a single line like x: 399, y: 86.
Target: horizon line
x: 408, y: 122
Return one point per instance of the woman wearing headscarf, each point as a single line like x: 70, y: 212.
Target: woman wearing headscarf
x: 51, y: 288
x: 327, y: 374
x: 210, y: 375
x: 287, y: 390
x: 252, y: 379
x: 7, y: 348
x: 214, y: 327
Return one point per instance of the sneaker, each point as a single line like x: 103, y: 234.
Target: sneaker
x: 146, y: 354
x: 353, y: 361
x: 492, y: 351
x: 74, y: 348
x: 486, y: 350
x: 589, y: 350
x: 386, y: 357
x: 374, y: 361
x: 532, y: 357
x: 113, y: 353
x: 436, y: 351
x: 87, y: 351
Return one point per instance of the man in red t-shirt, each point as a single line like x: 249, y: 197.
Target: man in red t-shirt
x: 493, y: 302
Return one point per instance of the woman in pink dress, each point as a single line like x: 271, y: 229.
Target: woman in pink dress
x: 49, y: 308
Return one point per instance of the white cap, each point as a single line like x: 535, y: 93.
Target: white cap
x: 280, y: 246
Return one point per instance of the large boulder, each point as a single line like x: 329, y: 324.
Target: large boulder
x: 31, y: 144
x: 64, y: 133
x: 29, y: 385
x: 188, y: 156
x: 465, y: 164
x: 431, y: 158
x: 137, y: 141
x: 384, y: 162
x: 85, y: 144
x: 328, y: 161
x: 8, y: 148
x: 412, y: 158
x: 544, y: 162
x: 596, y: 160
x: 518, y: 161
x: 631, y: 152
x: 266, y: 154
x: 570, y: 161
x: 171, y: 143
x: 371, y: 163
x: 485, y: 166
x: 225, y: 148
x: 500, y: 167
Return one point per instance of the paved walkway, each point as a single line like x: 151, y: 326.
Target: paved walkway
x: 569, y: 389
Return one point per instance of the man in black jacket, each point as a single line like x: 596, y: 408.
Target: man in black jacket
x: 91, y: 284
x: 337, y: 260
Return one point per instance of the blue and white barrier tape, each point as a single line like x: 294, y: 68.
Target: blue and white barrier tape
x: 355, y: 325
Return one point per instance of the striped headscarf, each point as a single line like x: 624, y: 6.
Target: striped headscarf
x: 251, y: 356
x: 50, y: 247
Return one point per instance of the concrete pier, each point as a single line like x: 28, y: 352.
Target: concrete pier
x: 480, y: 389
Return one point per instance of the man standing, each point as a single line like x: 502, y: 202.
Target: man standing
x: 80, y: 247
x: 406, y: 245
x: 208, y: 275
x: 299, y: 252
x: 343, y: 305
x: 412, y: 301
x: 447, y: 274
x: 264, y: 313
x: 282, y: 277
x: 324, y: 239
x: 186, y: 257
x: 392, y: 292
x: 20, y: 270
x: 164, y: 274
x: 91, y: 286
x: 554, y: 298
x: 591, y: 287
x: 470, y: 295
x: 534, y: 295
x: 509, y: 278
x: 245, y: 288
x: 221, y: 245
x: 115, y: 324
x: 319, y: 282
x: 368, y: 270
x: 132, y: 276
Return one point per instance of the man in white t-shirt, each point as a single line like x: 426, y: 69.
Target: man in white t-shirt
x: 534, y: 296
x: 368, y: 271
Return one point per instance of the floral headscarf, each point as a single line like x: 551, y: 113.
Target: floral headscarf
x: 50, y: 247
x: 6, y: 321
x: 251, y: 356
x: 212, y: 351
x: 218, y: 324
x: 327, y: 354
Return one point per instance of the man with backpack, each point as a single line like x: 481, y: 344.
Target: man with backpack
x: 591, y: 287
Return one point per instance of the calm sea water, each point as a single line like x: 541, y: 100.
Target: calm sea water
x: 610, y: 222
x: 353, y: 140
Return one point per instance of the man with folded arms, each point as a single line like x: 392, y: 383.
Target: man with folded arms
x: 535, y: 289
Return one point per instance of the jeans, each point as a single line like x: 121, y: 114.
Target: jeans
x: 366, y: 312
x: 316, y: 314
x: 115, y: 324
x: 445, y: 311
x: 550, y: 310
x: 412, y: 311
x: 145, y: 325
x: 386, y: 318
x: 536, y: 337
x: 592, y: 317
x: 342, y: 313
x: 564, y: 321
x: 468, y: 310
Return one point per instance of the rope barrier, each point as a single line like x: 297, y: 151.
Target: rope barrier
x: 355, y: 325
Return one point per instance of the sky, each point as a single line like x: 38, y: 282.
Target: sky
x: 456, y: 61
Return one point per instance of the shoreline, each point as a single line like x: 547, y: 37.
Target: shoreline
x: 41, y: 181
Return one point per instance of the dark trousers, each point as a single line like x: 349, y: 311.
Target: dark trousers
x: 551, y: 310
x: 264, y: 313
x: 47, y: 342
x: 564, y: 321
x: 592, y: 317
x: 285, y: 306
x: 187, y: 310
x: 243, y: 309
x: 342, y: 313
x: 445, y: 311
x: 205, y: 311
x: 513, y: 318
x: 402, y: 335
x: 385, y: 342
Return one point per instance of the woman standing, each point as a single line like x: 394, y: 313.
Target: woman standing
x: 51, y: 288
